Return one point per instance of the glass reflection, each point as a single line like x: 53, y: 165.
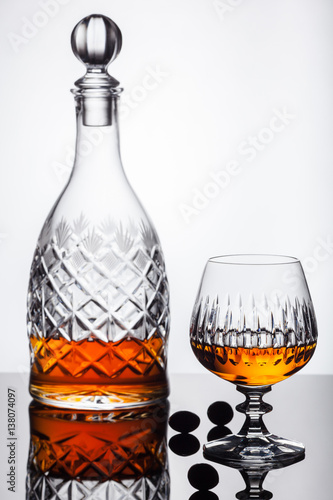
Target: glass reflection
x: 204, y: 477
x: 254, y: 476
x: 81, y: 455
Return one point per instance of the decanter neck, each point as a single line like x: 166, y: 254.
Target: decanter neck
x: 97, y: 142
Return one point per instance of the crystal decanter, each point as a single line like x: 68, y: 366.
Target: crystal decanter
x: 98, y: 300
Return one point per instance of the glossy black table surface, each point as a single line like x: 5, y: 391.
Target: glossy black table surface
x: 302, y: 410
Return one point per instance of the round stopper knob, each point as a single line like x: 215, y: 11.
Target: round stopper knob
x: 96, y: 41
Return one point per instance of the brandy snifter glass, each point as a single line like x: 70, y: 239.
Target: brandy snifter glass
x: 253, y: 324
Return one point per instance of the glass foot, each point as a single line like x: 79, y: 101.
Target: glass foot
x: 241, y: 450
x: 254, y: 459
x: 254, y: 445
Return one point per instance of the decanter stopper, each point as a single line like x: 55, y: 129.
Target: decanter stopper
x: 96, y: 41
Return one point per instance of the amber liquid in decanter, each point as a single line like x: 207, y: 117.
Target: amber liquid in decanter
x: 127, y: 367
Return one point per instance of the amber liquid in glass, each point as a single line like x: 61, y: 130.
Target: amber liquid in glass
x: 128, y: 371
x: 253, y: 366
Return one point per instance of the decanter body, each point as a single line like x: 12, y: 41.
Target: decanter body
x: 98, y: 301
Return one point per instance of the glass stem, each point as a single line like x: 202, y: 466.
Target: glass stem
x: 254, y: 408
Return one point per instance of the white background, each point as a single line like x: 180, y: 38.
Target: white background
x: 224, y: 68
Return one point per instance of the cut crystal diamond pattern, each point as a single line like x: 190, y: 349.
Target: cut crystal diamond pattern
x: 143, y: 360
x: 46, y: 487
x: 89, y: 285
x: 101, y: 460
x: 120, y: 455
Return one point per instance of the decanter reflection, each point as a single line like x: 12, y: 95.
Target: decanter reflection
x: 98, y: 301
x: 78, y: 455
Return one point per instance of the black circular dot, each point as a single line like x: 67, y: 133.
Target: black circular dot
x: 184, y: 421
x: 184, y: 445
x: 218, y: 432
x: 220, y: 413
x: 204, y: 495
x: 203, y: 477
